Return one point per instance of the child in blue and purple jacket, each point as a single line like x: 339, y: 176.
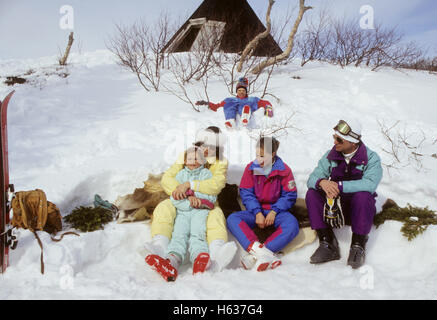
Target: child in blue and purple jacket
x: 241, y: 105
x: 268, y: 191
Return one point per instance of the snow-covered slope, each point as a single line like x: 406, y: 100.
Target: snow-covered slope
x: 98, y: 131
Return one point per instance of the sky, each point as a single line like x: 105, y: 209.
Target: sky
x: 30, y: 29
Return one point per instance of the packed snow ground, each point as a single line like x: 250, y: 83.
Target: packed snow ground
x: 98, y: 131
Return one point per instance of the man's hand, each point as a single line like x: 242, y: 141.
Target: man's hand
x: 270, y: 218
x: 330, y: 188
x: 194, y: 202
x: 179, y: 192
x: 260, y: 220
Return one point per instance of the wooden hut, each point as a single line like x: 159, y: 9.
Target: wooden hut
x: 234, y: 21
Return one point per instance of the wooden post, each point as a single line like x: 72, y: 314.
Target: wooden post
x: 63, y: 60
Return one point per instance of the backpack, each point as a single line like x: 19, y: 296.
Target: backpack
x: 32, y: 211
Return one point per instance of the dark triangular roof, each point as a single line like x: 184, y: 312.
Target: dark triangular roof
x: 242, y: 25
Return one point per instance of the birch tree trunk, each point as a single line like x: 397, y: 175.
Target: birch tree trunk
x: 286, y: 53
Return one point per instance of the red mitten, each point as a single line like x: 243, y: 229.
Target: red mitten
x: 206, y: 204
x: 214, y: 107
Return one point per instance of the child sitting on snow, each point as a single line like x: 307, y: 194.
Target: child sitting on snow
x: 268, y: 191
x: 190, y: 223
x: 242, y: 104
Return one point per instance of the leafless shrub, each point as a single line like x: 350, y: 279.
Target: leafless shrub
x: 314, y: 41
x: 195, y: 66
x: 139, y: 49
x: 277, y: 128
x: 200, y: 61
x: 343, y: 42
x: 176, y: 86
x: 421, y: 63
x: 353, y: 45
x: 394, y: 54
x: 403, y: 147
x: 226, y: 70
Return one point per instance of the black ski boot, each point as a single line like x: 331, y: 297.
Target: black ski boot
x: 328, y: 249
x: 357, y: 253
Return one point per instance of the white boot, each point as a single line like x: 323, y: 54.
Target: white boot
x: 264, y: 257
x: 245, y: 116
x: 158, y: 245
x: 174, y: 260
x: 248, y: 261
x: 221, y: 253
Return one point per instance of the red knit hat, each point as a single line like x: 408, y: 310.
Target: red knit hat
x: 242, y: 83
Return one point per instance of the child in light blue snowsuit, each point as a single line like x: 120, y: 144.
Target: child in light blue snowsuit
x: 190, y: 224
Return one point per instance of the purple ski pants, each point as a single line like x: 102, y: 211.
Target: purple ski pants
x: 358, y: 209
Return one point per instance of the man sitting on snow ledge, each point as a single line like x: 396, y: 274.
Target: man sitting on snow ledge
x: 343, y: 185
x: 241, y: 105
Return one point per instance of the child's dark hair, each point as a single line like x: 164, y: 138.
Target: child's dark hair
x: 218, y: 150
x: 214, y: 129
x: 269, y: 144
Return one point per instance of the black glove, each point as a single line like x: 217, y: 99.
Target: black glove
x: 202, y: 103
x: 333, y: 213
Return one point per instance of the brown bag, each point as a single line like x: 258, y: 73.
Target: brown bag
x: 32, y: 211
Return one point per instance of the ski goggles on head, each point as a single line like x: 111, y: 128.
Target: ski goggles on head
x: 346, y: 130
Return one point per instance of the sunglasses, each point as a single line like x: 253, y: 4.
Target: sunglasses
x: 337, y: 138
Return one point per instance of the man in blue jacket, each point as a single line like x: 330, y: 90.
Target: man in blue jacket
x: 343, y: 186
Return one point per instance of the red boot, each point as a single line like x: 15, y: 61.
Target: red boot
x: 162, y: 266
x: 201, y: 263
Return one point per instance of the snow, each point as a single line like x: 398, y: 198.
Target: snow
x: 97, y: 131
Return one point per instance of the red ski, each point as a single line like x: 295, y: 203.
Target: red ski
x: 6, y: 238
